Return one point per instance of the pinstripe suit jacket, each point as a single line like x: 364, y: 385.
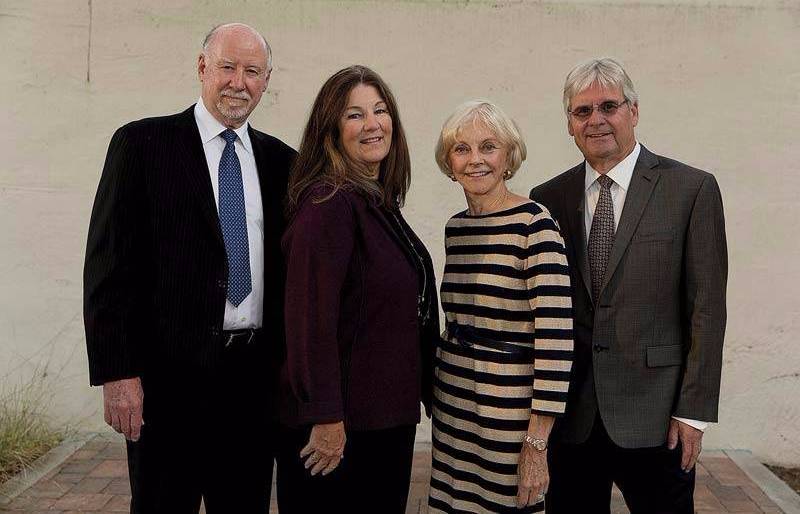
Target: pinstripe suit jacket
x: 652, y: 345
x: 155, y: 275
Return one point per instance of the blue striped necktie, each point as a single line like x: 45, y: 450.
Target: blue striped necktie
x: 233, y: 221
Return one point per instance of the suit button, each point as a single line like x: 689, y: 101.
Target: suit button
x: 214, y: 331
x: 598, y: 348
x: 222, y: 283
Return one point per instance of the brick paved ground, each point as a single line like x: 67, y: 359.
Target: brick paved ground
x: 95, y: 479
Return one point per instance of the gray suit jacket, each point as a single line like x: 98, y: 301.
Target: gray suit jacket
x: 652, y: 346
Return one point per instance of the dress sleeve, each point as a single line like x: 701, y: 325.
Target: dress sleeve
x: 317, y: 248
x: 551, y: 302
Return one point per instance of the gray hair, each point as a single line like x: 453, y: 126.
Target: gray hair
x: 213, y: 32
x: 495, y: 120
x: 606, y: 72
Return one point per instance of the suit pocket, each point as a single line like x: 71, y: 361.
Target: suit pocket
x: 658, y: 356
x: 653, y: 237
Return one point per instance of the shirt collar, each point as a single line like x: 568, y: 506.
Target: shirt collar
x: 621, y: 174
x: 210, y: 127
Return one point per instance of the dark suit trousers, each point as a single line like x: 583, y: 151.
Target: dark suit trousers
x: 374, y: 476
x: 212, y: 439
x: 651, y: 481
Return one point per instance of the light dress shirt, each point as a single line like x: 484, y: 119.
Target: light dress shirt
x: 249, y: 313
x: 621, y: 174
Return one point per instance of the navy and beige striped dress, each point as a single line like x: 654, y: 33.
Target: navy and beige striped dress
x: 506, y: 352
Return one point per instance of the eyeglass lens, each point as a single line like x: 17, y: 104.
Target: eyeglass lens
x: 607, y: 108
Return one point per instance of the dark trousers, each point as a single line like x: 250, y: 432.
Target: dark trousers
x: 374, y: 475
x: 651, y: 480
x: 211, y: 439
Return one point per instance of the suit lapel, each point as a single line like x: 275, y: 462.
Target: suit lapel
x: 195, y: 167
x: 259, y: 155
x: 271, y: 199
x: 573, y: 207
x: 641, y: 187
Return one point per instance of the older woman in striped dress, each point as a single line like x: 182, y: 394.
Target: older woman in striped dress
x: 504, y: 363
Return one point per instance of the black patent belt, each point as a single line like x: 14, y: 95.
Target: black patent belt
x: 242, y: 337
x: 467, y: 336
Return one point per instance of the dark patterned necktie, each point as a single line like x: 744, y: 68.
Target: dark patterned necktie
x: 601, y: 235
x: 233, y: 221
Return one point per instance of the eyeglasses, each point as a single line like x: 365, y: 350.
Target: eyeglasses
x: 607, y: 108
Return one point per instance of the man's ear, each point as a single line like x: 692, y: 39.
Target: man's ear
x: 201, y: 66
x: 266, y: 80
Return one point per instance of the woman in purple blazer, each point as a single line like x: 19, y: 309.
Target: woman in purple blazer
x: 361, y: 308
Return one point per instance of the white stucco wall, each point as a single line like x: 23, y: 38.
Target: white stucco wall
x: 719, y: 84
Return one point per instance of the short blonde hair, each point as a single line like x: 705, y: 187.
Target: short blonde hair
x: 495, y: 120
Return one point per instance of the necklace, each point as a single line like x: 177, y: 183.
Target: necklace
x: 422, y: 312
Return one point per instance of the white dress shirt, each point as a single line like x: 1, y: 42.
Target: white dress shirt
x: 621, y: 174
x: 249, y: 313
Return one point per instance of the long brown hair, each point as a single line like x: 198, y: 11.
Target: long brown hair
x: 322, y: 160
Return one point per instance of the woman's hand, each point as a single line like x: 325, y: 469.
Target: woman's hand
x: 325, y: 448
x: 534, y: 476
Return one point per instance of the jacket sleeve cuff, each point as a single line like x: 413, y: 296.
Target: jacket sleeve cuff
x: 312, y: 413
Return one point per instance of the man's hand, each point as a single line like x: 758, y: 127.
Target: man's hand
x: 325, y: 448
x: 691, y: 442
x: 122, y: 405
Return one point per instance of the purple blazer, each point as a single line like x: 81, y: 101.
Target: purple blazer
x: 353, y: 345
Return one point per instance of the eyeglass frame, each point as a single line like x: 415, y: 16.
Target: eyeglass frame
x: 592, y: 108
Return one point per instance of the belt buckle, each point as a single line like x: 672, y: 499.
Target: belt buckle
x: 458, y: 335
x: 233, y: 336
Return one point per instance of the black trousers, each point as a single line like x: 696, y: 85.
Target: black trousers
x: 651, y: 479
x: 211, y: 439
x: 373, y: 477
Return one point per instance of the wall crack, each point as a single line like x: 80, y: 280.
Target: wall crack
x: 89, y: 48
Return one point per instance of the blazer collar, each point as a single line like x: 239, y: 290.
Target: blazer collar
x: 574, y: 194
x: 198, y: 179
x: 396, y: 227
x: 644, y: 180
x: 195, y: 169
x: 645, y: 176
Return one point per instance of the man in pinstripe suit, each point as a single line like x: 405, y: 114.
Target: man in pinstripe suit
x: 183, y: 289
x: 645, y: 238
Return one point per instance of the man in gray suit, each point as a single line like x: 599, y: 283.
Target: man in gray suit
x: 645, y: 240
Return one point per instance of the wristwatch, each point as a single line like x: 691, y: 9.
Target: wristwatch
x: 538, y: 444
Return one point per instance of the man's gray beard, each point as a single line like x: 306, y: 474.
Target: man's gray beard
x: 235, y: 114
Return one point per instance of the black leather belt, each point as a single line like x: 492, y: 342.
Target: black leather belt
x: 243, y: 337
x: 467, y: 337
